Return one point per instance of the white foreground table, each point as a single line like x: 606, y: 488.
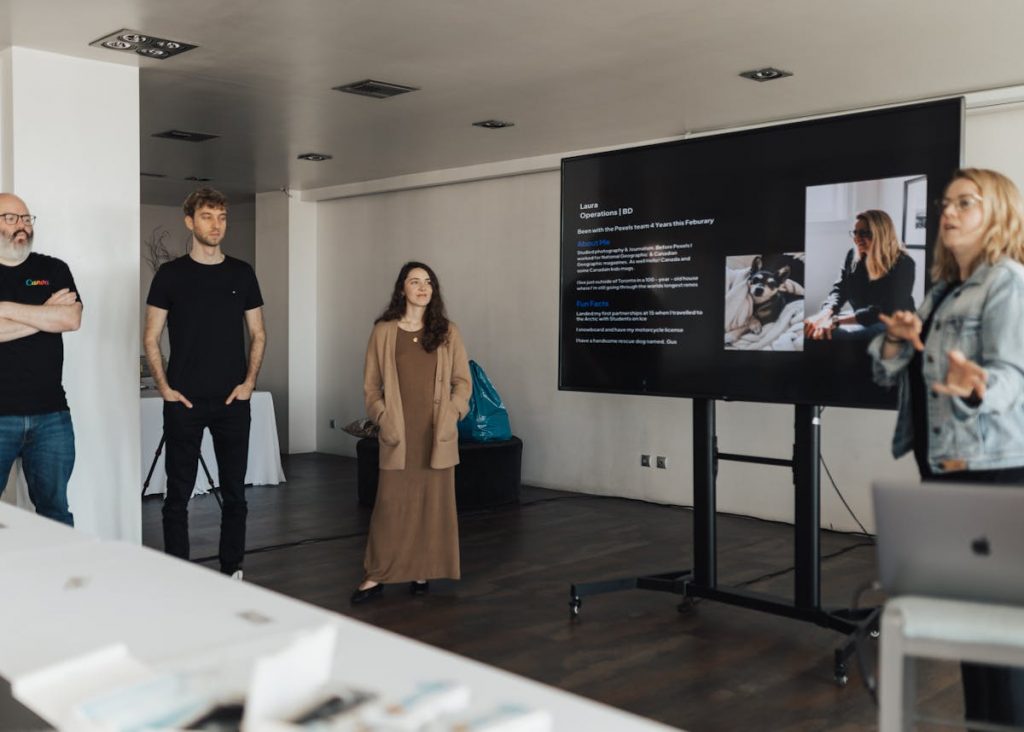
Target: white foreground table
x: 65, y: 601
x: 264, y: 467
x: 21, y: 530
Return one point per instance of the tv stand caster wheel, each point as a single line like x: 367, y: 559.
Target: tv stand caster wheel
x: 574, y: 607
x: 842, y: 677
x: 686, y: 605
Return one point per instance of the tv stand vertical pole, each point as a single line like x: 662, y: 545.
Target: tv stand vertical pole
x: 807, y: 507
x: 705, y: 469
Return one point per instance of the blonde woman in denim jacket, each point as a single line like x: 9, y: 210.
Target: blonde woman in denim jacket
x: 959, y: 366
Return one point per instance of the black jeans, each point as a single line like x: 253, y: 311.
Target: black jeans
x: 993, y: 693
x: 183, y: 430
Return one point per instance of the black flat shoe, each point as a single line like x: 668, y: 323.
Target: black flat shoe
x: 361, y: 596
x: 419, y: 588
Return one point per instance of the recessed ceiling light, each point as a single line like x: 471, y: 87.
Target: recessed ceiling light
x: 148, y: 46
x: 198, y: 179
x: 493, y: 124
x: 315, y: 157
x: 375, y: 89
x: 768, y: 73
x: 184, y: 136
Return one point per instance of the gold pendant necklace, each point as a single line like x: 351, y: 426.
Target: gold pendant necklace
x: 415, y: 338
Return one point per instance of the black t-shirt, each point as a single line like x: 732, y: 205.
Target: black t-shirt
x: 205, y: 306
x: 31, y: 367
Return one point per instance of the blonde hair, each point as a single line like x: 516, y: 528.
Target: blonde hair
x: 1003, y: 222
x: 885, y: 248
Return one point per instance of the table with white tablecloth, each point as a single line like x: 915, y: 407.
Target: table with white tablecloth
x: 264, y: 467
x: 74, y: 619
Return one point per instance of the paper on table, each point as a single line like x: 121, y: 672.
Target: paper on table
x: 55, y: 691
x: 288, y: 682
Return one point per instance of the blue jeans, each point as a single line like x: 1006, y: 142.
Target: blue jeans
x: 46, y: 445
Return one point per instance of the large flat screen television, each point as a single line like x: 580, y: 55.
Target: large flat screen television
x: 690, y: 268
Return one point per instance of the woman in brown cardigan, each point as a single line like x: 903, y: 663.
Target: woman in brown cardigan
x: 417, y: 385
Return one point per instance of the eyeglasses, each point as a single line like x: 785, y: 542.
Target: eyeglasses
x: 861, y: 233
x: 962, y: 203
x: 13, y: 218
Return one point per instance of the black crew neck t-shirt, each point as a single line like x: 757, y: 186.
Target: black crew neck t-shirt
x: 206, y: 305
x: 31, y: 368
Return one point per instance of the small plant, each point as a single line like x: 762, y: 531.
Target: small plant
x: 157, y: 248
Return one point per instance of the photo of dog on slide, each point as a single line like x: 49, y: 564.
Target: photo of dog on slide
x: 764, y: 302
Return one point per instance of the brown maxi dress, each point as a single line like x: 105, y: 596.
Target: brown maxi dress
x: 414, y: 530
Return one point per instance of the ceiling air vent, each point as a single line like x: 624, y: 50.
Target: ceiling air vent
x: 185, y: 136
x: 375, y: 89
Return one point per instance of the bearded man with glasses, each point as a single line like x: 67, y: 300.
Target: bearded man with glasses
x: 38, y: 302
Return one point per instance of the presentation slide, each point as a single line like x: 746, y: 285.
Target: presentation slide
x: 752, y: 265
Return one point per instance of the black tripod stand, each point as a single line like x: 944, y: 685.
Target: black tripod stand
x: 206, y: 470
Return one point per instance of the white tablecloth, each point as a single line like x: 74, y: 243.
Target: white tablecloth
x: 264, y: 466
x: 61, y: 604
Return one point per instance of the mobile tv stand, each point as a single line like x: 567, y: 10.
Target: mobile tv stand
x: 702, y: 582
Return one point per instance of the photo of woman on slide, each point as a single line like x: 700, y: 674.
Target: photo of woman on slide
x: 877, y: 277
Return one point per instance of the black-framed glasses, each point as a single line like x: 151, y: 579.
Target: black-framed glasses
x: 861, y: 233
x: 962, y: 203
x: 13, y: 218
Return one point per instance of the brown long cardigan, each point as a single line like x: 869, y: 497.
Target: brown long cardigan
x: 452, y: 388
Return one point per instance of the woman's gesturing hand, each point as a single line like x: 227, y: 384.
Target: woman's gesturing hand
x: 964, y: 378
x: 903, y: 325
x: 820, y: 326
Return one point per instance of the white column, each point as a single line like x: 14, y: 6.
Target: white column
x: 69, y: 146
x: 286, y: 264
x: 272, y: 272
x: 302, y: 323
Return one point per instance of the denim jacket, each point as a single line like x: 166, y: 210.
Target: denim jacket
x: 984, y: 318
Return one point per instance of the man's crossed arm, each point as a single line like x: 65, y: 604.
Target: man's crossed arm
x: 59, y: 314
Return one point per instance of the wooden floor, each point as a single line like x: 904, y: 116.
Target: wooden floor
x: 714, y: 667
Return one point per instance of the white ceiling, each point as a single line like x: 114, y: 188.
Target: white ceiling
x: 571, y: 74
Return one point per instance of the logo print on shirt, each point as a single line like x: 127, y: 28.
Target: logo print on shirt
x: 36, y: 283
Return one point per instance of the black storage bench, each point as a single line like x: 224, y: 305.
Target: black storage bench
x: 487, y: 474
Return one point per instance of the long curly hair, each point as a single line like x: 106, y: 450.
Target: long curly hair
x: 1003, y: 210
x: 435, y: 318
x: 885, y: 248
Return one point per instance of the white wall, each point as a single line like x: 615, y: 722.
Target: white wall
x: 158, y: 224
x: 303, y: 317
x: 70, y: 131
x: 272, y: 273
x: 993, y: 140
x: 494, y: 244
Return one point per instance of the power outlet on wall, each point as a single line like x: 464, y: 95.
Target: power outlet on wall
x: 662, y: 462
x: 645, y: 461
x: 333, y: 425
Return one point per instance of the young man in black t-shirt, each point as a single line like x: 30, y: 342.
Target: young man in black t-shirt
x: 38, y: 302
x: 204, y: 298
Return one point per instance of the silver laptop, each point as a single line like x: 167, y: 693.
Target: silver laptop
x: 951, y: 540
